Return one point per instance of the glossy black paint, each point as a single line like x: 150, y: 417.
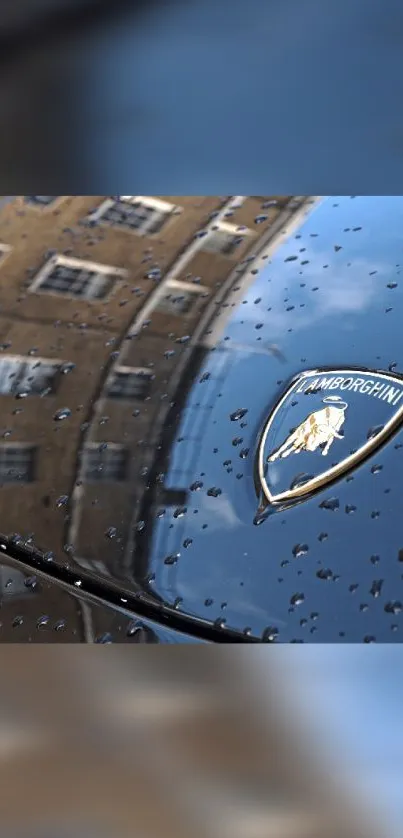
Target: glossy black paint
x: 336, y: 309
x: 328, y: 569
x: 38, y: 607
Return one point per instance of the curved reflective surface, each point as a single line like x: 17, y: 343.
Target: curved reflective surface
x: 144, y: 342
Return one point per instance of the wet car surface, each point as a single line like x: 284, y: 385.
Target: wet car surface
x: 144, y: 343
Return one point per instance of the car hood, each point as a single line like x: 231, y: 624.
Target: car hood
x: 174, y: 529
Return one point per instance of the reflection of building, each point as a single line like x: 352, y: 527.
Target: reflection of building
x: 194, y: 746
x: 101, y: 302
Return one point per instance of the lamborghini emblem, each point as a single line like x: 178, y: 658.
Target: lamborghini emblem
x: 317, y: 431
x: 309, y: 423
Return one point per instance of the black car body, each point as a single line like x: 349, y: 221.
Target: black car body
x: 145, y: 343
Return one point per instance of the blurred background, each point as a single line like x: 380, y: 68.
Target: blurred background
x: 189, y: 97
x: 245, y: 743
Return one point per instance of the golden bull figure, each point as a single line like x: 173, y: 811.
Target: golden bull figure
x: 318, y: 429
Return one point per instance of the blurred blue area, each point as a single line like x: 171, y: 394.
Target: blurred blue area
x: 348, y: 702
x: 194, y: 97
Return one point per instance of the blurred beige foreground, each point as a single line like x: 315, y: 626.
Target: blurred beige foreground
x: 163, y: 742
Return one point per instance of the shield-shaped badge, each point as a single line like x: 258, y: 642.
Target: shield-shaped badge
x: 324, y: 425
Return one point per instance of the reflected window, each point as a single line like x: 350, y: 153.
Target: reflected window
x: 40, y: 200
x: 76, y: 278
x: 139, y: 213
x: 102, y: 463
x: 173, y: 497
x: 5, y: 249
x: 226, y: 238
x: 17, y: 463
x: 177, y: 302
x: 27, y: 376
x: 180, y: 298
x: 129, y: 383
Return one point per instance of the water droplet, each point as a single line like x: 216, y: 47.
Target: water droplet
x: 66, y: 368
x: 180, y: 511
x: 375, y: 513
x: 173, y: 559
x: 133, y: 628
x: 393, y: 607
x: 376, y: 469
x: 31, y: 582
x: 392, y: 285
x: 187, y: 542
x: 208, y: 602
x: 300, y: 550
x: 350, y: 508
x: 214, y: 492
x: 62, y: 413
x: 196, y: 486
x: 43, y: 621
x: 330, y: 503
x: 220, y: 622
x: 18, y: 621
x: 297, y: 599
x: 105, y: 638
x: 62, y: 501
x: 155, y: 273
x: 376, y: 588
x: 237, y: 441
x: 59, y: 625
x: 177, y: 602
x: 324, y: 573
x: 111, y: 532
x: 270, y: 634
x: 238, y: 414
x: 322, y: 536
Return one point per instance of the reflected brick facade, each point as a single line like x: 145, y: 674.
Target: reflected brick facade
x: 130, y: 328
